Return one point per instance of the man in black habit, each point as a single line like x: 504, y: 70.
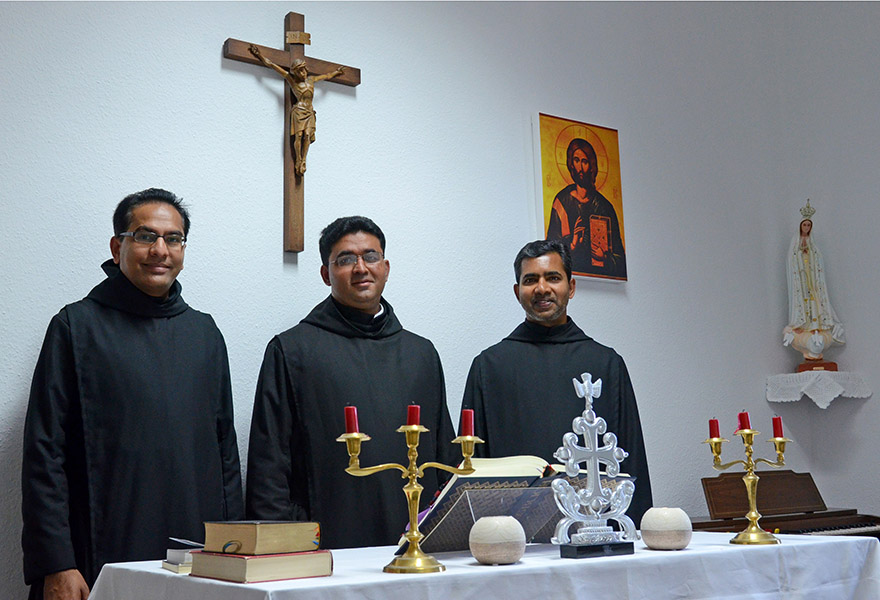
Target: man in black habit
x: 349, y: 350
x: 129, y: 434
x: 521, y: 390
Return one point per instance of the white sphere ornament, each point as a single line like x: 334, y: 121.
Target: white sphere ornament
x: 666, y: 528
x: 497, y: 540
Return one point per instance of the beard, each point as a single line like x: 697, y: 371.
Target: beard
x: 545, y: 317
x: 584, y: 179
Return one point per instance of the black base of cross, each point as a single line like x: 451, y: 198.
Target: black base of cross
x: 594, y: 550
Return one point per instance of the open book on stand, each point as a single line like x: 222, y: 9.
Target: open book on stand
x: 517, y: 486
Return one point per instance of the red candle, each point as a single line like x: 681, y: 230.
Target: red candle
x: 351, y: 419
x: 714, y: 431
x: 777, y: 427
x: 744, y: 420
x: 412, y: 414
x: 467, y: 421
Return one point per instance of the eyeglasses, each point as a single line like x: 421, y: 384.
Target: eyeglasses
x: 350, y: 260
x: 145, y: 236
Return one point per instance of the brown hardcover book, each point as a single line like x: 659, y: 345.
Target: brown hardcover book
x: 261, y: 537
x: 265, y: 567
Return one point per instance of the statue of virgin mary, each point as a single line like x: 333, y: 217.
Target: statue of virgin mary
x: 813, y: 325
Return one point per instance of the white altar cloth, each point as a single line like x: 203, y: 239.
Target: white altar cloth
x: 809, y: 567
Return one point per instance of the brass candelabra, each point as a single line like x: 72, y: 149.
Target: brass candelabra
x: 753, y: 534
x: 413, y: 560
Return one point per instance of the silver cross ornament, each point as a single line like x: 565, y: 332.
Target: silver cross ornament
x: 592, y: 505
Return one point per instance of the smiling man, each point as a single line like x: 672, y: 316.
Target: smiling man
x: 349, y: 350
x: 129, y: 435
x: 521, y: 390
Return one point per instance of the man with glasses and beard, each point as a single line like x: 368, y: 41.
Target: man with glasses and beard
x: 584, y: 220
x: 349, y: 350
x: 129, y: 435
x: 521, y: 390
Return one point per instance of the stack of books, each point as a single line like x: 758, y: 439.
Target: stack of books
x: 178, y: 560
x: 254, y: 551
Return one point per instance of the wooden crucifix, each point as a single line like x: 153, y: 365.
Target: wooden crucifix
x: 301, y: 72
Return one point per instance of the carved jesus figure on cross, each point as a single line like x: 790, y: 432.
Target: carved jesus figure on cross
x: 302, y: 114
x: 300, y: 72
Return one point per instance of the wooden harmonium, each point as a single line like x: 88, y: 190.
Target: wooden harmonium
x: 789, y: 502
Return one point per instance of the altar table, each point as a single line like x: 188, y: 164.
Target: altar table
x: 804, y: 567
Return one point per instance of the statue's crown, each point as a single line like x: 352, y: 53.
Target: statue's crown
x: 808, y: 211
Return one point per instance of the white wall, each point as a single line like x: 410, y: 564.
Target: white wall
x: 730, y: 116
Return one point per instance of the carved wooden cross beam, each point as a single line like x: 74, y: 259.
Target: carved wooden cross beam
x: 295, y: 39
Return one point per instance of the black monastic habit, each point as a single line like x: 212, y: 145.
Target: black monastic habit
x: 129, y: 434
x: 336, y: 357
x: 524, y: 400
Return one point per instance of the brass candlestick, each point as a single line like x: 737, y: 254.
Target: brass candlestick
x: 753, y: 534
x: 413, y: 560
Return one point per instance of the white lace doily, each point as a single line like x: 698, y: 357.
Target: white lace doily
x: 820, y: 386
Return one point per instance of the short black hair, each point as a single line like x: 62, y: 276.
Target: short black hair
x: 540, y: 248
x: 341, y: 227
x: 125, y: 209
